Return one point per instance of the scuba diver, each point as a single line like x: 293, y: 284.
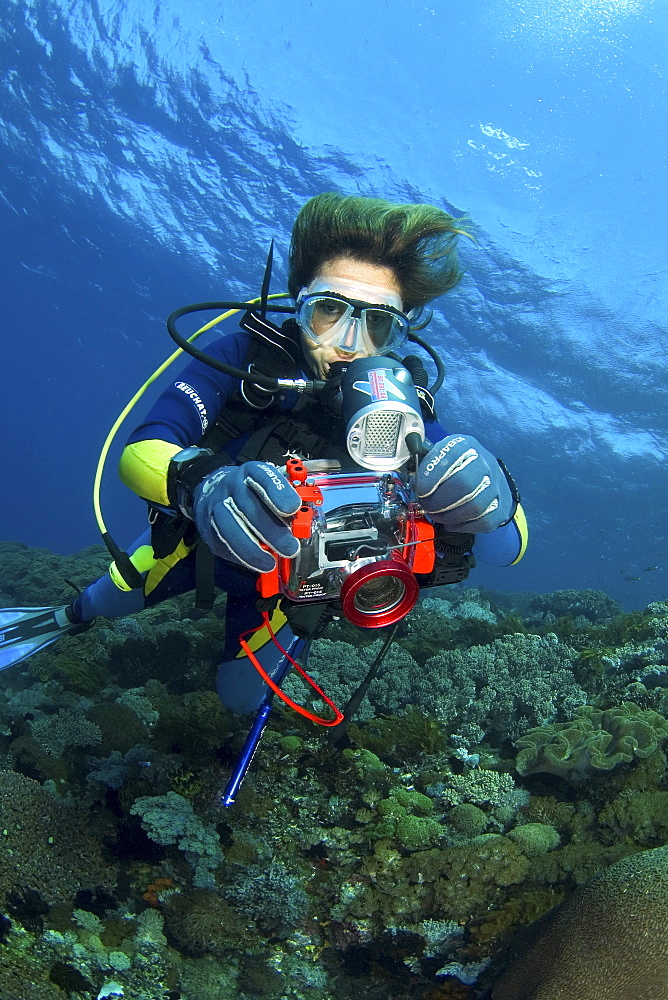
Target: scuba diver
x: 209, y: 456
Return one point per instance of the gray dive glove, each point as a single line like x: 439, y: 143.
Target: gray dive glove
x: 236, y: 508
x: 461, y: 485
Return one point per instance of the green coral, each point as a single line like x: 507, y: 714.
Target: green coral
x: 414, y: 833
x: 471, y: 873
x: 192, y: 724
x: 593, y: 741
x: 404, y: 736
x: 120, y: 727
x: 404, y: 817
x: 412, y: 801
x: 79, y: 673
x: 291, y: 744
x: 22, y: 970
x: 642, y: 816
x: 468, y: 820
x: 367, y: 765
x: 535, y: 838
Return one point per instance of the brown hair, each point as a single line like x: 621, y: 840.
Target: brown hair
x: 418, y: 243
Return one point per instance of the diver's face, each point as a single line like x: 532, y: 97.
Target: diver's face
x: 357, y: 279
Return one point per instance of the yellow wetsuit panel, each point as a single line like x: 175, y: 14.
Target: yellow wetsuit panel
x: 143, y: 468
x: 161, y: 567
x: 522, y: 528
x: 262, y: 636
x: 155, y: 569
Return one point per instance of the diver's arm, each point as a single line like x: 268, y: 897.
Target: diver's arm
x: 500, y: 528
x: 143, y: 468
x: 179, y: 418
x: 506, y: 545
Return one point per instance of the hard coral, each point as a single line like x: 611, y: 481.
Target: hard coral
x: 119, y: 726
x: 76, y: 672
x: 22, y: 974
x: 594, y: 741
x: 170, y: 819
x: 46, y: 845
x: 271, y: 894
x: 642, y: 816
x: 401, y: 737
x: 471, y: 874
x: 535, y: 838
x: 609, y: 939
x: 192, y: 725
x: 201, y: 921
x: 54, y: 733
x: 34, y: 577
x: 595, y: 605
x: 502, y: 687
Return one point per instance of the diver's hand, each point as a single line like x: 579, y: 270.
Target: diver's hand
x: 461, y: 485
x: 238, y: 507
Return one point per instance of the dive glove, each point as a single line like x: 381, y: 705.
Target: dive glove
x: 461, y: 485
x: 236, y: 508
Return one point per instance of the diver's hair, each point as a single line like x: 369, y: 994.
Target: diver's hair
x: 418, y: 243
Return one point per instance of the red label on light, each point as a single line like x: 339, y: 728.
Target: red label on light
x: 377, y: 385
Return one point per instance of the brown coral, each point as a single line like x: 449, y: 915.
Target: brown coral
x: 44, y: 844
x: 201, y: 921
x: 609, y: 939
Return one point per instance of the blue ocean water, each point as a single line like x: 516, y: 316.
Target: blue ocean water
x: 151, y: 151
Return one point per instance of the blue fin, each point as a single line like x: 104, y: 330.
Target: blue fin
x: 25, y: 630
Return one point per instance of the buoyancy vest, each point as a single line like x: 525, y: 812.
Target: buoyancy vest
x: 272, y: 433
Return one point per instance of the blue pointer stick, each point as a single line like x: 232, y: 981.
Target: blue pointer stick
x: 259, y: 725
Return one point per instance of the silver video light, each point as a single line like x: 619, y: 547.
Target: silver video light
x: 380, y: 409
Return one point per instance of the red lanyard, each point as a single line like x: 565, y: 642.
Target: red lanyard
x: 276, y: 689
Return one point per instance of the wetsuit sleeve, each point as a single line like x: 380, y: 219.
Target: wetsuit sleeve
x: 179, y: 418
x: 506, y: 545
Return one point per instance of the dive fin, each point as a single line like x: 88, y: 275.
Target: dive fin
x: 23, y: 631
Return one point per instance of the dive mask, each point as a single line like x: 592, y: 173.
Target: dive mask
x: 330, y: 313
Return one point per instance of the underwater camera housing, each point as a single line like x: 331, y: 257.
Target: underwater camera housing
x: 362, y: 540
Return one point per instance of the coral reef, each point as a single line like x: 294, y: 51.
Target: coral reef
x: 503, y: 687
x: 37, y: 577
x: 592, y: 605
x: 140, y: 965
x: 52, y: 733
x: 399, y: 862
x: 170, y: 819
